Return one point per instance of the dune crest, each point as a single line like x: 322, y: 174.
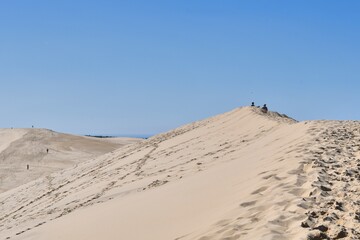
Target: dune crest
x: 239, y: 175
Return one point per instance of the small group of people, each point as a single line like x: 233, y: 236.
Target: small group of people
x: 264, y: 109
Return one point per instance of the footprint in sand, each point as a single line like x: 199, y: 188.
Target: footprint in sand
x: 247, y: 204
x: 259, y: 190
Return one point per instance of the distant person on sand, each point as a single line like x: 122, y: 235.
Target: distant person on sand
x: 264, y: 109
x: 47, y: 150
x: 252, y: 104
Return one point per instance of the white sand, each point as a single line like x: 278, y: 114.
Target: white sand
x: 239, y: 175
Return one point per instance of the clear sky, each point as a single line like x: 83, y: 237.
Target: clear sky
x: 144, y: 67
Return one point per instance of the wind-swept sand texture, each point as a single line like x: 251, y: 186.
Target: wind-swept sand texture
x: 22, y: 147
x: 240, y: 175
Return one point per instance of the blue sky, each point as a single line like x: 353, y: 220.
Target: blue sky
x: 144, y: 67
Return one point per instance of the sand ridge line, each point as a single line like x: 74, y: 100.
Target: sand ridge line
x: 110, y: 174
x: 244, y: 174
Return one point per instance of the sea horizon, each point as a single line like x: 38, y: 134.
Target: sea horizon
x: 144, y: 136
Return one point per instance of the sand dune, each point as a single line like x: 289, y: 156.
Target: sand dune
x: 240, y: 175
x: 45, y: 151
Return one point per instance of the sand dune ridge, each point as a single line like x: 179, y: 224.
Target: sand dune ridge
x: 239, y: 175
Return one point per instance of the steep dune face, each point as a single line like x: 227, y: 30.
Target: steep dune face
x: 239, y: 175
x: 44, y: 151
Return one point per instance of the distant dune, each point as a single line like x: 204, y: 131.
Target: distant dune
x: 45, y: 151
x: 239, y: 175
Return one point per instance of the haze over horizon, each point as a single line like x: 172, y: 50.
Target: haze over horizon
x: 145, y: 67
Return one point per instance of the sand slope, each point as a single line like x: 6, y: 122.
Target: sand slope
x: 22, y: 147
x: 239, y: 175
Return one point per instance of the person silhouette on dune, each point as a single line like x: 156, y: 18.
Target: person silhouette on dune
x: 264, y: 109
